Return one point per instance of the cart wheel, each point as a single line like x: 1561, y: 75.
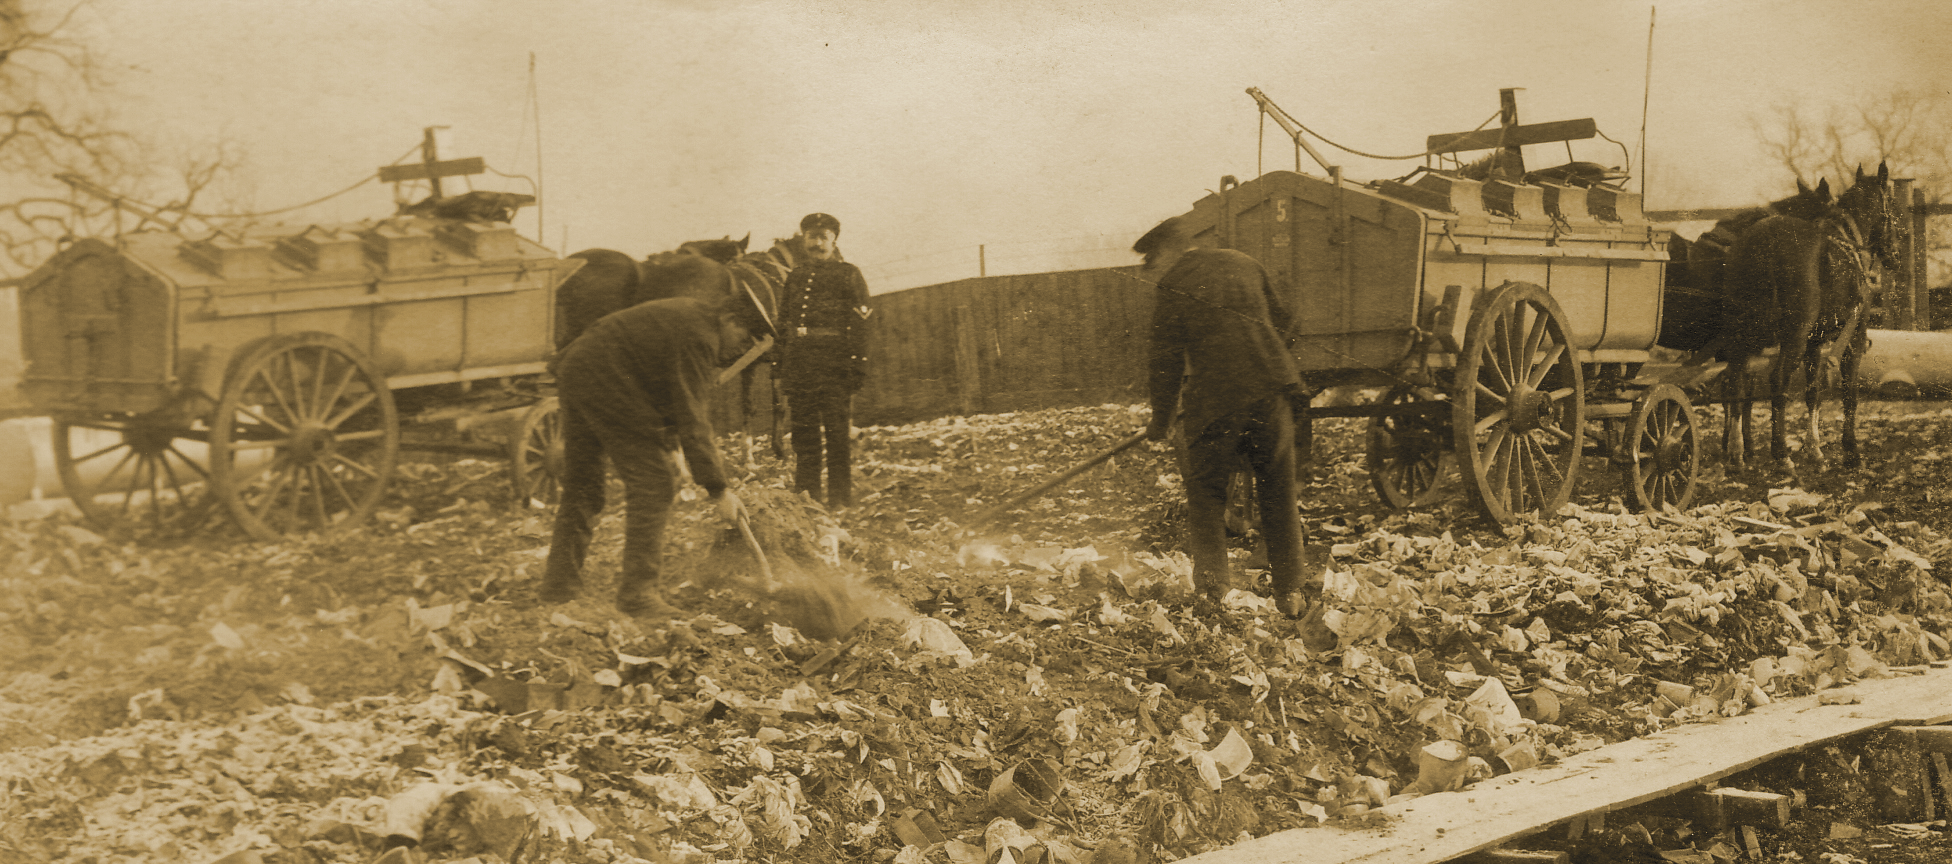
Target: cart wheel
x: 536, y: 455
x: 1243, y: 512
x: 304, y: 437
x: 1663, y: 451
x: 1408, y: 453
x: 145, y: 474
x: 1520, y: 405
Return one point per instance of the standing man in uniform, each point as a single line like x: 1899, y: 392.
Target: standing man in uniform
x: 1221, y: 367
x: 823, y: 359
x: 634, y: 386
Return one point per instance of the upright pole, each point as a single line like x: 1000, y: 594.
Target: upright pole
x: 1901, y: 297
x: 1920, y: 242
x: 1513, y: 159
x: 535, y: 102
x: 982, y: 260
x: 430, y: 153
x: 1646, y: 89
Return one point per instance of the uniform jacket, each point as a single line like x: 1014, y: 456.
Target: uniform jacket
x: 825, y: 301
x: 651, y: 367
x: 1217, y: 328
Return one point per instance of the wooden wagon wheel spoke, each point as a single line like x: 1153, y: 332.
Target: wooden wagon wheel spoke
x: 135, y: 482
x: 261, y: 444
x: 344, y: 414
x: 1519, y: 405
x: 281, y: 475
x: 277, y: 395
x: 253, y: 413
x: 330, y: 396
x: 347, y: 461
x: 1537, y: 376
x: 340, y: 487
x: 187, y: 460
x: 338, y: 390
x: 317, y: 489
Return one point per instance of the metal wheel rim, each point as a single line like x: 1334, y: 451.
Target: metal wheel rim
x: 1663, y: 450
x: 329, y: 422
x: 1520, y: 405
x: 167, y: 490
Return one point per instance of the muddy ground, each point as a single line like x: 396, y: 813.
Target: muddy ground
x: 181, y: 699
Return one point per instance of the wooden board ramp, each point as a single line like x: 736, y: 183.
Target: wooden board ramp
x: 1449, y: 825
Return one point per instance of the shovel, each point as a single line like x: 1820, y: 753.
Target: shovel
x: 765, y: 570
x: 990, y: 515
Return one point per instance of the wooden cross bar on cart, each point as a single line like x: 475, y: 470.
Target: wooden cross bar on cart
x: 1509, y: 136
x: 431, y: 168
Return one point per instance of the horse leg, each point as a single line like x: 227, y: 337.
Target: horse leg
x: 1813, y: 403
x: 779, y: 423
x: 1848, y: 369
x: 1735, y: 410
x: 1779, y: 372
x: 745, y: 418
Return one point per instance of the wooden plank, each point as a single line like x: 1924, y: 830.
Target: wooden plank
x: 1518, y: 856
x: 1720, y: 809
x: 1448, y: 825
x: 424, y: 171
x: 1516, y: 136
x: 1944, y: 777
x: 1930, y: 739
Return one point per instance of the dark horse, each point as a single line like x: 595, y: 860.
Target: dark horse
x: 707, y: 269
x: 1692, y: 306
x: 610, y: 281
x: 1798, y: 285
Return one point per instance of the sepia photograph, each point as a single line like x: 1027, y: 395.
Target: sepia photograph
x: 933, y: 432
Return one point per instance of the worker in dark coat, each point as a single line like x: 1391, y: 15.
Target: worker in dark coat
x: 634, y: 386
x: 1221, y: 367
x: 823, y: 359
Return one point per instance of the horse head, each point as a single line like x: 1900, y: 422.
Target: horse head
x: 1871, y: 204
x: 722, y: 251
x: 1810, y: 205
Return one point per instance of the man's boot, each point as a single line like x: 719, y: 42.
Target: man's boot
x: 647, y: 603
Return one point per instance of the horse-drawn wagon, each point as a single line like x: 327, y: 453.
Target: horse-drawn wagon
x: 1497, y: 316
x: 260, y: 368
x: 1499, y: 311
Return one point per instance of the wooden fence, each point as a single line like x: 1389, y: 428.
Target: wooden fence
x: 996, y: 344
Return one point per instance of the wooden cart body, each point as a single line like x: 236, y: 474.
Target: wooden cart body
x: 260, y: 368
x: 152, y: 320
x: 1430, y: 286
x: 1371, y: 270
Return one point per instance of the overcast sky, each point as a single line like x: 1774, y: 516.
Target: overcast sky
x: 930, y: 128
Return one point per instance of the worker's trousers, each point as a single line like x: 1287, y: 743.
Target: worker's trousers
x: 1263, y: 436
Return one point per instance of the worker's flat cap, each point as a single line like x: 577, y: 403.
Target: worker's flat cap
x: 1160, y: 235
x: 817, y: 221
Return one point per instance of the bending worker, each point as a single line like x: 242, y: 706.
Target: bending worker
x: 1217, y: 333
x: 823, y: 359
x: 634, y: 387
